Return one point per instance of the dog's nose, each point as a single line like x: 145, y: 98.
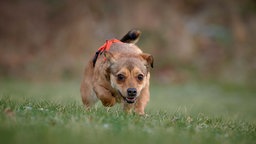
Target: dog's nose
x: 131, y: 91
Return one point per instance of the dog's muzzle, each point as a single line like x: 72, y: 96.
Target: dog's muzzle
x: 131, y: 95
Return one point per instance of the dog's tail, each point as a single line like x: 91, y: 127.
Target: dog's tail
x: 132, y: 36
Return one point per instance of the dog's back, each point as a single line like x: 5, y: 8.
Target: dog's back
x: 125, y: 48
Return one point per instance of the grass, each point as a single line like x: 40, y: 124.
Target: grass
x: 190, y: 113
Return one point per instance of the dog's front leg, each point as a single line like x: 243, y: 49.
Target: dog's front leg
x: 106, y: 97
x: 142, y: 101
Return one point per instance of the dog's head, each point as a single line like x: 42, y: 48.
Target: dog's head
x: 129, y: 74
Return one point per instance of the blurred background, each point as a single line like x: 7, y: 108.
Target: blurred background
x: 191, y: 40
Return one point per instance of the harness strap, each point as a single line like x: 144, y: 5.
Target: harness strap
x: 105, y: 47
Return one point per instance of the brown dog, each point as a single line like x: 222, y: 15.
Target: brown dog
x: 119, y: 72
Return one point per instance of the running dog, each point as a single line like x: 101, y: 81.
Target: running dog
x: 118, y: 73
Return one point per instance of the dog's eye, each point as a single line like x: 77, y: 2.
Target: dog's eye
x: 120, y: 77
x: 140, y: 77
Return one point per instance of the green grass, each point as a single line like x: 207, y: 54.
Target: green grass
x: 190, y: 113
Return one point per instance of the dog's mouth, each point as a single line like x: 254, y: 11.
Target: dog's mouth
x: 129, y: 100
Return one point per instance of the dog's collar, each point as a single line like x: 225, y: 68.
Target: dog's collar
x: 105, y: 47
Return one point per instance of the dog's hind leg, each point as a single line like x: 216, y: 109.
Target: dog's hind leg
x: 88, y: 96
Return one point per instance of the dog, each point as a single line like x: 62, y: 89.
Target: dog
x: 118, y: 73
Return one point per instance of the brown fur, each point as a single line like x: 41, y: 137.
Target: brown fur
x: 102, y: 82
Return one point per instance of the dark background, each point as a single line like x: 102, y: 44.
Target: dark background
x: 191, y: 40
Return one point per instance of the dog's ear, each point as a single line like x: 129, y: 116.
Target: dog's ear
x: 149, y: 58
x: 109, y: 56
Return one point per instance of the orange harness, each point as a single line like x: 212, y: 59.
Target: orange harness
x: 103, y: 48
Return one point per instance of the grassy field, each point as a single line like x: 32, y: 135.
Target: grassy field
x: 189, y: 113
